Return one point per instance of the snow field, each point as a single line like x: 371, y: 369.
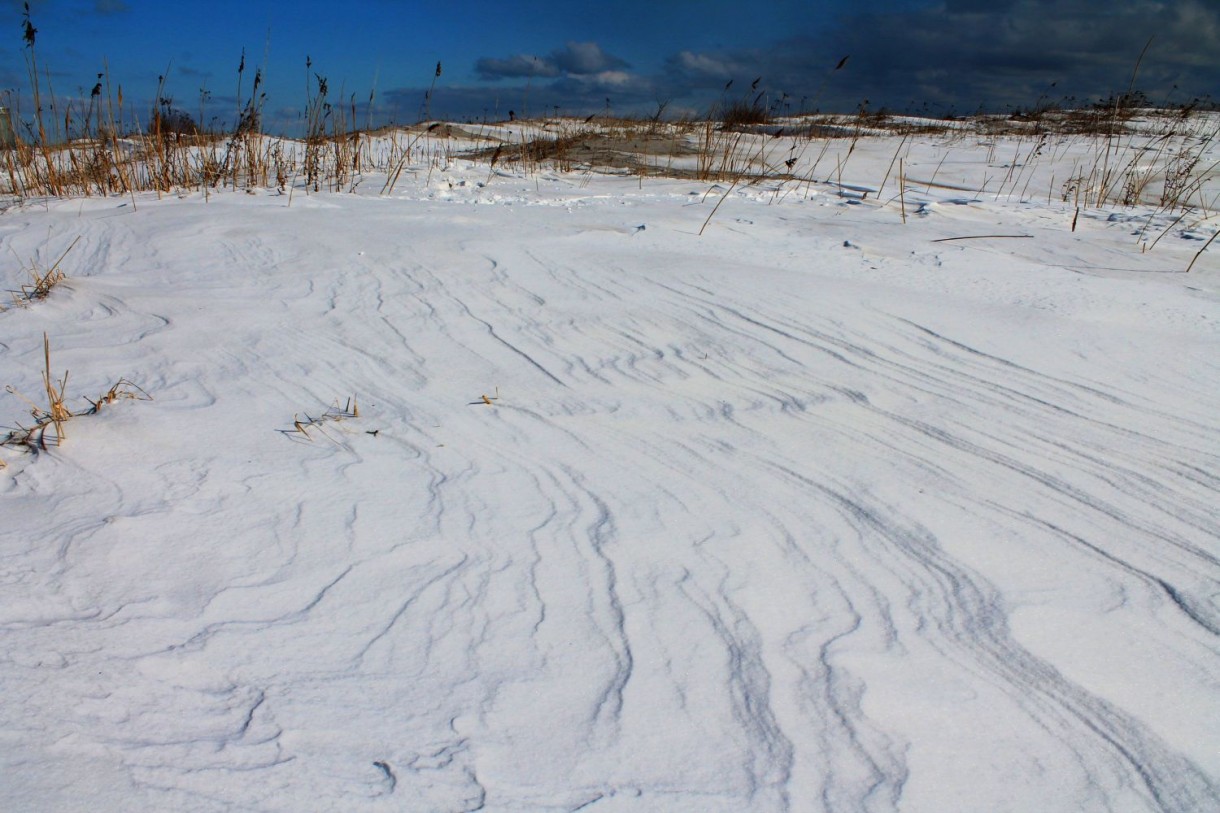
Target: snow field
x: 808, y: 513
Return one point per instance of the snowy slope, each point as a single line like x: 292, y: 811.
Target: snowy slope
x: 807, y: 513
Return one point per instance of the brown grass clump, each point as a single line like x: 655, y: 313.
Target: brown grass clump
x: 120, y: 390
x: 743, y: 113
x: 41, y: 282
x: 56, y: 413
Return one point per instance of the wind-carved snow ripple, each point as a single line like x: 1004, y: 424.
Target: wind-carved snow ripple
x: 968, y: 619
x: 707, y: 544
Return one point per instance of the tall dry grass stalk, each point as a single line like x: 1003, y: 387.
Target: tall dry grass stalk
x: 57, y: 413
x: 54, y: 415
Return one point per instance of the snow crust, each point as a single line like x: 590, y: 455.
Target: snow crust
x: 807, y: 513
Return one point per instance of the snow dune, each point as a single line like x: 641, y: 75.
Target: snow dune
x: 809, y: 513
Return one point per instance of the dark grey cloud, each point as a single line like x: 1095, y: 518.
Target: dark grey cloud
x: 575, y: 58
x: 110, y: 6
x: 584, y: 58
x: 1013, y: 54
x: 193, y: 73
x: 977, y: 6
x: 948, y: 55
x: 576, y: 94
x: 515, y: 67
x: 963, y: 54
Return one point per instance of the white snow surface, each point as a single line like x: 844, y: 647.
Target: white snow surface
x: 807, y: 513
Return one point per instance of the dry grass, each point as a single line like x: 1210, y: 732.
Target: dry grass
x: 52, y: 416
x: 41, y: 281
x: 121, y: 390
x: 98, y: 145
x: 743, y: 113
x: 102, y: 150
x: 1165, y: 170
x: 1199, y: 253
x: 333, y: 414
x: 55, y: 414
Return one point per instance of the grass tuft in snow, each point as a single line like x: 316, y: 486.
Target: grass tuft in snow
x: 56, y: 413
x: 42, y: 281
x: 333, y: 414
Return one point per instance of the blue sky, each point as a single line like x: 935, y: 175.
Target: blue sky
x: 536, y: 56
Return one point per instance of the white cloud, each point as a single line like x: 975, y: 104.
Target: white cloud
x: 692, y: 64
x: 574, y: 59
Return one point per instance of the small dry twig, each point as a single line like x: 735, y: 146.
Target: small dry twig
x: 1199, y: 253
x: 717, y: 206
x: 488, y: 400
x: 981, y: 237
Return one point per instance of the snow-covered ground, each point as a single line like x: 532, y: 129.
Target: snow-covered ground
x: 810, y: 512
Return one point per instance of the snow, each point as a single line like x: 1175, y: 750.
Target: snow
x: 809, y: 512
